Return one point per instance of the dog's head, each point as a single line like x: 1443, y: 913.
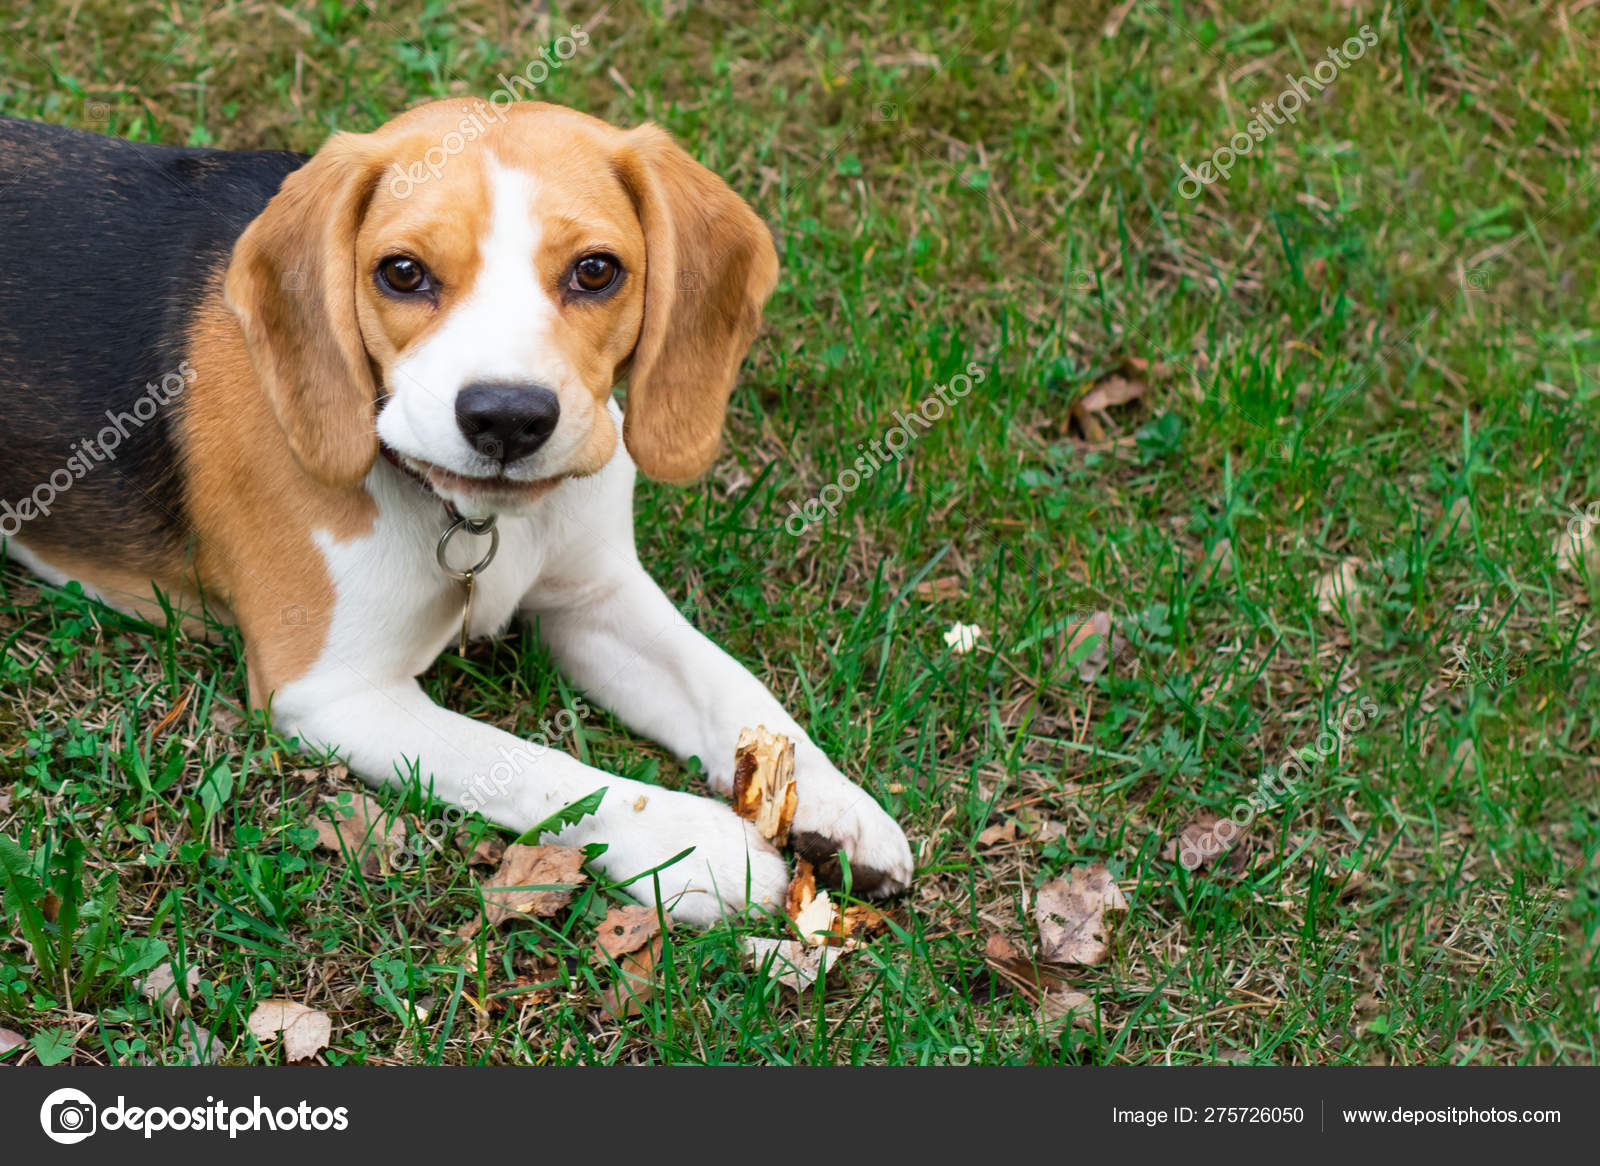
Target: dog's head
x: 468, y: 283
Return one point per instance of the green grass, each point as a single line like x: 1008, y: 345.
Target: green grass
x: 1375, y: 341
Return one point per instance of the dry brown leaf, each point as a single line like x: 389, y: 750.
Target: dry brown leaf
x: 1197, y: 844
x: 555, y: 871
x: 631, y: 936
x: 1088, y: 424
x: 763, y: 782
x: 486, y: 851
x: 1037, y: 826
x: 636, y: 982
x: 526, y: 991
x: 10, y: 1040
x: 225, y: 718
x: 945, y: 587
x: 1340, y: 588
x: 1111, y: 392
x: 1092, y: 664
x: 998, y: 949
x: 1071, y: 915
x: 999, y: 835
x: 1021, y: 972
x: 161, y: 987
x: 627, y: 929
x: 197, y: 1045
x: 1098, y: 402
x: 1061, y: 1003
x: 305, y: 1031
x: 793, y: 963
x: 362, y: 830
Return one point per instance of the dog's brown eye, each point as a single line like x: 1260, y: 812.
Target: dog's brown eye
x: 594, y: 273
x: 401, y: 274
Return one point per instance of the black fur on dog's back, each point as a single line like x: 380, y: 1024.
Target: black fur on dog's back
x: 108, y: 247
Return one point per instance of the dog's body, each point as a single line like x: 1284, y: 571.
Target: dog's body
x: 271, y: 403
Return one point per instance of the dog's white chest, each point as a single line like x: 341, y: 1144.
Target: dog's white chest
x: 396, y: 604
x: 396, y: 607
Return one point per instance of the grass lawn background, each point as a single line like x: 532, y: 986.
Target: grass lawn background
x: 1373, y: 344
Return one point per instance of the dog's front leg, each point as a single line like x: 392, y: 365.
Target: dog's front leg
x: 388, y: 733
x: 621, y: 640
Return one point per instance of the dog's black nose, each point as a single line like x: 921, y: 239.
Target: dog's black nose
x: 506, y: 421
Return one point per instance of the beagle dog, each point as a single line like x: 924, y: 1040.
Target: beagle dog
x: 308, y: 396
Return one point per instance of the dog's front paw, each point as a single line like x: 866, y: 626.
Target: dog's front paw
x: 730, y: 869
x: 834, y: 815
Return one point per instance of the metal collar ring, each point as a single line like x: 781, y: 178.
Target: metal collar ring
x: 478, y: 526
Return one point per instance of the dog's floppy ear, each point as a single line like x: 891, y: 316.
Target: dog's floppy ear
x: 292, y: 285
x: 710, y: 265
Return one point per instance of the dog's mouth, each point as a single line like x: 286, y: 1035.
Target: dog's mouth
x: 480, y: 494
x: 448, y: 481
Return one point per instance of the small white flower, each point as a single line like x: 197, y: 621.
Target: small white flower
x: 963, y: 637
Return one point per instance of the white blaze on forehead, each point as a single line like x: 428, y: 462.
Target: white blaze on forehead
x: 501, y: 331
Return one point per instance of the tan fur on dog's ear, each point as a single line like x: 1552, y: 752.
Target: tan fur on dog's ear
x: 710, y: 265
x: 291, y: 284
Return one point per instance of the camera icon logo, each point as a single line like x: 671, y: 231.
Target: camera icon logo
x: 68, y: 1116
